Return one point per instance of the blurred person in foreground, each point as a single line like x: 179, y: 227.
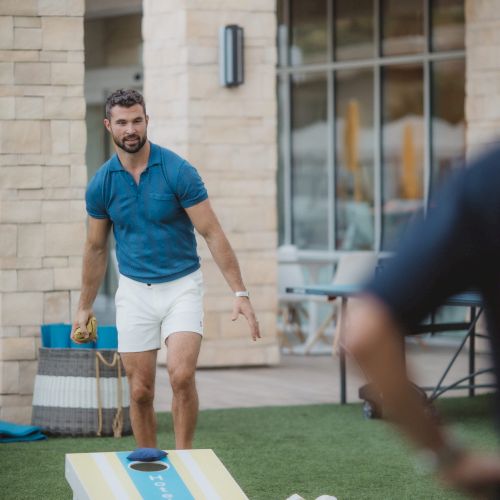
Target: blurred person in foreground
x: 456, y: 247
x: 153, y: 200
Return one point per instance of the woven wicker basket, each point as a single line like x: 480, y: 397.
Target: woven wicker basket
x: 81, y: 392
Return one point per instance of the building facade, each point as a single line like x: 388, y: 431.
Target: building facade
x: 350, y: 115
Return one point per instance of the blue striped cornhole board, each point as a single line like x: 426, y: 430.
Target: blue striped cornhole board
x: 181, y: 475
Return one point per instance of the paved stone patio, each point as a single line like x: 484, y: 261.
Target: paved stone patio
x: 313, y: 379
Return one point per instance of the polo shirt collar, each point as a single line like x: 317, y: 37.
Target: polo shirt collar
x: 154, y: 155
x: 154, y: 158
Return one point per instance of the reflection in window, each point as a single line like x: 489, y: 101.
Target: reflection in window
x: 353, y: 29
x: 448, y: 123
x: 282, y: 133
x: 448, y: 25
x: 309, y: 161
x: 402, y: 148
x: 402, y: 27
x: 354, y: 157
x: 308, y: 36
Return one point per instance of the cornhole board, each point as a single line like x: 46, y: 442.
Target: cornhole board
x: 181, y: 475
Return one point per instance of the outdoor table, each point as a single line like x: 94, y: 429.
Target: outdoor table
x: 470, y: 299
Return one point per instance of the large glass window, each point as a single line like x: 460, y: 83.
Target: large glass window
x: 309, y: 161
x: 371, y: 97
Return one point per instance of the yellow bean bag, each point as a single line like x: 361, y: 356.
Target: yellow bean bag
x: 91, y: 328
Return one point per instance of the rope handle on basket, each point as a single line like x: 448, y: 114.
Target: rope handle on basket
x: 118, y: 420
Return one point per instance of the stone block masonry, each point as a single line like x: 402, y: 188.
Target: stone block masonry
x: 42, y: 180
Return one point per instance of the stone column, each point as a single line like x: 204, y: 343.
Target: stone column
x: 483, y: 72
x: 230, y: 136
x: 42, y: 183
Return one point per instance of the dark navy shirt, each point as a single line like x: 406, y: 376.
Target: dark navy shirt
x: 155, y: 239
x: 455, y: 248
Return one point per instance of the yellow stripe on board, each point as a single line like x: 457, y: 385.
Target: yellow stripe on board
x: 185, y: 475
x: 222, y: 481
x: 83, y: 466
x: 97, y: 476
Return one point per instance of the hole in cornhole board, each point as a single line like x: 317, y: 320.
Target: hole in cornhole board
x: 148, y: 466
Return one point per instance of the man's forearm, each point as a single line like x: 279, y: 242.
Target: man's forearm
x: 94, y: 267
x: 226, y: 260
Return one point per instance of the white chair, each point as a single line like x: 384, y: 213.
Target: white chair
x: 353, y: 268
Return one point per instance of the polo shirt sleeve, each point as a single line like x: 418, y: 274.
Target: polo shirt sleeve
x: 94, y: 199
x: 190, y: 187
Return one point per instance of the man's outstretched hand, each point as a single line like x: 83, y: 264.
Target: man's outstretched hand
x: 477, y: 475
x: 243, y: 306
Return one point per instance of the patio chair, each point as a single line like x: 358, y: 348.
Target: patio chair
x: 352, y: 268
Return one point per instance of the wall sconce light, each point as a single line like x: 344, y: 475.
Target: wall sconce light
x: 231, y: 55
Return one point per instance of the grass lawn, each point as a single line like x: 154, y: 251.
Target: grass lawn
x: 273, y: 453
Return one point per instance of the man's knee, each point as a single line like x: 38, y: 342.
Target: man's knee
x: 182, y: 379
x: 142, y: 394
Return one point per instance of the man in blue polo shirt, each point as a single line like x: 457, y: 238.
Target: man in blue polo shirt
x: 153, y: 200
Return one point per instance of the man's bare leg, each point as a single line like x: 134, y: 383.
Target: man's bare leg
x: 141, y: 371
x: 182, y: 354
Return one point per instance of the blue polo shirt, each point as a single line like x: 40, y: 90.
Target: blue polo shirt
x: 155, y: 239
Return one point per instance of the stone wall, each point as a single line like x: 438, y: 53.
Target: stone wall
x: 482, y: 72
x: 230, y: 136
x: 42, y: 182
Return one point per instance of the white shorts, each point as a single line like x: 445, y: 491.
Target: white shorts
x: 147, y: 314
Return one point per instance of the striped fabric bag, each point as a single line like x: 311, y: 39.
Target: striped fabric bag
x: 81, y: 392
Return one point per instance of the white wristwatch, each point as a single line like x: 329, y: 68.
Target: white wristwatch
x: 242, y: 293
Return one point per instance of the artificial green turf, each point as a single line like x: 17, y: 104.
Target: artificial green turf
x: 273, y: 453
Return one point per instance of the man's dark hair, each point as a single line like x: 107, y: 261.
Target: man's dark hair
x: 125, y: 98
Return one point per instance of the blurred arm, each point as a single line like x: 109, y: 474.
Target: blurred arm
x: 374, y: 341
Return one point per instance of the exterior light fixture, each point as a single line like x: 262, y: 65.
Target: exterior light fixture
x: 231, y: 55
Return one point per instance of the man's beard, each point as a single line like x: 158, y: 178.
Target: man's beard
x: 132, y: 148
